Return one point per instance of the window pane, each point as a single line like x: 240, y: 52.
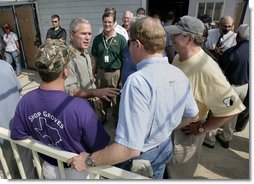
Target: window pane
x: 201, y: 9
x: 209, y: 9
x: 218, y: 11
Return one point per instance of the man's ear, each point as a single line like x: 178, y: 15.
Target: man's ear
x: 65, y: 73
x: 191, y: 39
x: 71, y: 35
x: 139, y: 44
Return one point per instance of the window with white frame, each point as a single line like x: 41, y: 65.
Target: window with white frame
x: 213, y: 9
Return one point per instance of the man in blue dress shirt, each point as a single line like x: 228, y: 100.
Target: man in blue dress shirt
x: 154, y: 101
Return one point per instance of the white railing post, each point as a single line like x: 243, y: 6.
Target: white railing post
x: 93, y: 176
x: 61, y: 169
x: 37, y: 164
x: 18, y: 160
x: 4, y: 164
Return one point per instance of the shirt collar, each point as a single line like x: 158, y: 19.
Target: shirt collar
x: 151, y: 60
x: 77, y: 52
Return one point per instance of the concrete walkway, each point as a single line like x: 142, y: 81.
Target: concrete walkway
x: 221, y: 163
x: 217, y: 163
x: 29, y: 80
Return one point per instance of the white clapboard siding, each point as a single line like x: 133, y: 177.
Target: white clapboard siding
x: 88, y: 9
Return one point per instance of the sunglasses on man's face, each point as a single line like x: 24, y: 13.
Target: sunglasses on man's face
x: 54, y: 21
x: 129, y: 42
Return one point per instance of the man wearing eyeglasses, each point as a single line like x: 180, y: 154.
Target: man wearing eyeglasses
x: 56, y: 32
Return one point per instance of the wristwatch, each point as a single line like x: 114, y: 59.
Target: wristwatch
x: 90, y: 161
x: 201, y: 129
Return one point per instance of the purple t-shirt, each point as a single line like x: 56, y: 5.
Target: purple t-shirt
x: 59, y: 120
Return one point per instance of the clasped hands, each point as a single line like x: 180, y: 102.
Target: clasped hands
x: 78, y: 162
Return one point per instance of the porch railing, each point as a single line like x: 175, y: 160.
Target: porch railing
x: 36, y: 147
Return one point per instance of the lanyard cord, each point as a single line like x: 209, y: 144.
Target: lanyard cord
x: 105, y: 43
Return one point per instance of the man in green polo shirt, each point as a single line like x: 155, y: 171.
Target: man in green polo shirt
x: 107, y: 51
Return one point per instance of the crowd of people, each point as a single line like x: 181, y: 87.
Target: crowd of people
x: 167, y: 88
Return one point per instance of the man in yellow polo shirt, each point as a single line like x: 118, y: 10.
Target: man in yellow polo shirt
x: 211, y: 90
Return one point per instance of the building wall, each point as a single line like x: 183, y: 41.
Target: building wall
x: 229, y: 8
x: 247, y: 16
x: 93, y: 10
x: 88, y: 9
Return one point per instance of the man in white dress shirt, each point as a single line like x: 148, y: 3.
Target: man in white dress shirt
x: 221, y: 38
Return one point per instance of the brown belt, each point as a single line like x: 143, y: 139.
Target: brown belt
x: 109, y: 69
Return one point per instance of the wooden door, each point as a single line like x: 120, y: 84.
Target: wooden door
x: 7, y: 16
x: 26, y: 23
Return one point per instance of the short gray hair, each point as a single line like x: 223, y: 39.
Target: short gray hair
x: 135, y: 18
x: 197, y: 39
x: 75, y: 22
x: 128, y: 12
x: 244, y: 31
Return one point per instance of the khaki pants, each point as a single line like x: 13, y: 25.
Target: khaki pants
x: 187, y: 150
x: 109, y: 79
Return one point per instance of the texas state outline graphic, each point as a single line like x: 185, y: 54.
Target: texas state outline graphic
x: 43, y: 131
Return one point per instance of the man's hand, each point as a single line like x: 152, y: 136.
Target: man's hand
x: 192, y: 128
x: 78, y: 162
x: 99, y: 104
x: 107, y: 93
x: 217, y: 52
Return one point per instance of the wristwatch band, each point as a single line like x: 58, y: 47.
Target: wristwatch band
x: 90, y: 161
x: 201, y: 129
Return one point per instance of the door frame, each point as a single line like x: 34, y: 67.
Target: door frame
x: 13, y: 6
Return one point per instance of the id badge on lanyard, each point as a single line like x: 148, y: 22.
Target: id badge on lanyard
x: 107, y: 46
x: 106, y: 58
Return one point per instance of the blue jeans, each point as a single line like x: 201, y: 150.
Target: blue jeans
x: 158, y: 157
x: 14, y: 55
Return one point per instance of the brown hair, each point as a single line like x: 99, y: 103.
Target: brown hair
x: 55, y: 16
x: 150, y: 33
x: 110, y: 9
x: 109, y: 14
x: 6, y: 25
